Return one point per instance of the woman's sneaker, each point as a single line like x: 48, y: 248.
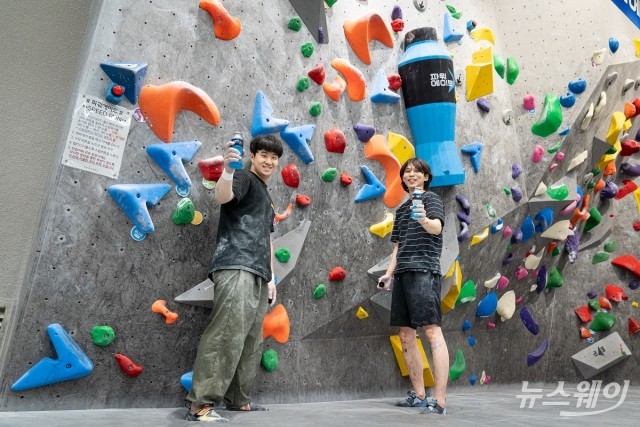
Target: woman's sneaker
x: 413, y: 401
x: 435, y: 409
x: 205, y: 414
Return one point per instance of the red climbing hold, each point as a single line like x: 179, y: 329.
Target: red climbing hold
x: 583, y: 313
x: 551, y: 246
x: 303, y: 200
x: 604, y: 303
x: 636, y: 103
x: 629, y: 147
x: 345, y: 179
x: 629, y: 262
x: 211, y: 169
x: 636, y: 225
x: 291, y: 175
x: 117, y: 90
x: 397, y: 25
x: 615, y: 293
x: 628, y: 187
x: 317, y: 74
x: 335, y: 141
x: 395, y: 82
x: 634, y: 326
x: 127, y: 366
x: 337, y: 274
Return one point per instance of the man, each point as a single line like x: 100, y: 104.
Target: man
x: 229, y: 350
x: 415, y: 301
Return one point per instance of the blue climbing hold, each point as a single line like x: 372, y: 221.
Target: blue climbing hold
x: 134, y: 199
x: 364, y: 132
x: 614, y: 44
x: 449, y: 33
x: 578, y: 86
x: 528, y: 229
x: 528, y: 321
x: 298, y: 139
x: 541, y: 279
x: 170, y: 158
x: 567, y: 100
x: 186, y: 380
x: 472, y: 379
x: 475, y: 151
x: 488, y: 305
x: 372, y: 189
x: 496, y: 226
x: 466, y: 325
x: 535, y: 355
x: 471, y: 340
x: 72, y: 363
x: 128, y: 75
x: 263, y: 122
x: 544, y: 219
x: 381, y: 93
x: 565, y: 131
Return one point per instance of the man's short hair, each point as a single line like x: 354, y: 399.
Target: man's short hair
x: 269, y: 143
x: 420, y: 165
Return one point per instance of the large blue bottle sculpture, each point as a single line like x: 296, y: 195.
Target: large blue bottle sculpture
x: 428, y: 89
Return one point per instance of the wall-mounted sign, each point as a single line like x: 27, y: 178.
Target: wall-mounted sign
x: 631, y: 8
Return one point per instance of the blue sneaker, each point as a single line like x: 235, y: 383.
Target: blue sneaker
x: 413, y: 401
x: 435, y: 409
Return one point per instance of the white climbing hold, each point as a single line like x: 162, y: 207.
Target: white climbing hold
x: 587, y: 118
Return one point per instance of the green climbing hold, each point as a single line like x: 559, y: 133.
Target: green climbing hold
x: 498, y: 65
x: 467, y: 293
x: 594, y: 219
x: 513, y: 70
x: 595, y: 171
x: 611, y: 150
x: 507, y: 192
x: 270, y: 360
x: 283, y: 255
x: 454, y: 12
x: 560, y: 192
x: 611, y: 246
x: 555, y: 251
x: 555, y: 279
x: 307, y: 49
x: 600, y: 256
x: 330, y: 2
x: 184, y: 212
x: 315, y: 109
x: 594, y: 304
x: 329, y: 174
x: 102, y: 335
x: 295, y: 24
x: 321, y: 290
x: 551, y: 117
x: 602, y: 322
x: 458, y: 366
x: 591, y: 185
x: 490, y: 211
x: 555, y: 148
x: 303, y: 83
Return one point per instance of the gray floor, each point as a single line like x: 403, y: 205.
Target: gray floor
x: 481, y: 406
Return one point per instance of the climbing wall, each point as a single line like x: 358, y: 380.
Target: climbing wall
x: 89, y: 271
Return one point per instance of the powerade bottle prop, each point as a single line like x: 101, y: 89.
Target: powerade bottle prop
x: 428, y: 89
x: 238, y: 145
x: 416, y: 200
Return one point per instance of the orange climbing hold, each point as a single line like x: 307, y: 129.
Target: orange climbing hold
x: 161, y: 104
x: 360, y: 31
x: 225, y: 26
x: 276, y: 324
x: 584, y: 332
x: 378, y: 149
x: 610, y: 169
x: 356, y: 85
x: 628, y: 262
x: 599, y: 186
x: 603, y: 302
x: 629, y: 110
x: 160, y: 306
x: 581, y: 214
x: 334, y: 89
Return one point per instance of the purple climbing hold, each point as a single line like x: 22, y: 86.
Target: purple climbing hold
x: 535, y: 355
x: 572, y: 246
x: 464, y: 234
x: 364, y: 132
x: 464, y: 203
x: 320, y: 35
x: 396, y: 13
x: 516, y: 194
x: 541, y: 279
x: 528, y: 321
x: 463, y: 217
x: 516, y: 237
x: 630, y: 169
x: 592, y: 294
x: 516, y: 170
x: 483, y: 104
x: 609, y: 190
x: 508, y: 259
x: 634, y: 284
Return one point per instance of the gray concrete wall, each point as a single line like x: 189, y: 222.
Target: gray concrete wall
x: 87, y: 270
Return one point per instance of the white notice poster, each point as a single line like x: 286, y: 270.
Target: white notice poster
x: 97, y: 137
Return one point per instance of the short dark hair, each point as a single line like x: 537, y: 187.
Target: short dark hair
x: 269, y: 143
x: 422, y: 166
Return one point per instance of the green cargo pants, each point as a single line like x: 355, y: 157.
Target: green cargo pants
x: 229, y: 350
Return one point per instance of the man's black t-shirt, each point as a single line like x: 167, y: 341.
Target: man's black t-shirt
x: 245, y: 227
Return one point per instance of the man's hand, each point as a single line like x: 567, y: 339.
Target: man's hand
x: 230, y: 155
x: 272, y: 293
x: 384, y: 282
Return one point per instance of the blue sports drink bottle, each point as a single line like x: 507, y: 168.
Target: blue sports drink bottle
x: 238, y: 143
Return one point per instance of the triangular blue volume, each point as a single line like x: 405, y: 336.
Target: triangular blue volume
x: 72, y: 363
x: 128, y: 75
x: 134, y: 200
x: 381, y: 92
x: 298, y: 139
x: 170, y: 157
x: 449, y: 33
x: 372, y: 189
x: 263, y: 122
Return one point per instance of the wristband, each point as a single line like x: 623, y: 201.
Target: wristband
x: 226, y: 175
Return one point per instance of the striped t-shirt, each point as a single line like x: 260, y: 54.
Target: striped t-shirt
x: 417, y: 249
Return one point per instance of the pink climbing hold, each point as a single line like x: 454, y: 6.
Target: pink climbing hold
x: 519, y: 299
x: 559, y: 156
x: 552, y: 166
x: 503, y: 282
x: 491, y: 325
x: 506, y: 232
x: 521, y: 272
x: 538, y: 152
x: 529, y: 103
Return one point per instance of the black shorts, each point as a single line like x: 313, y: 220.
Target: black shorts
x: 415, y: 299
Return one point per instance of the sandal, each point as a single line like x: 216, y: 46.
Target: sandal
x: 252, y: 407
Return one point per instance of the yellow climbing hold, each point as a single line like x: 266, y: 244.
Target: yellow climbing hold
x: 636, y: 43
x: 197, y: 218
x: 482, y: 56
x: 479, y: 80
x: 477, y: 238
x: 627, y: 125
x: 361, y: 313
x: 606, y: 158
x: 636, y: 195
x: 384, y: 227
x: 634, y: 304
x: 397, y: 350
x: 455, y: 275
x: 617, y: 122
x: 483, y: 33
x: 401, y: 147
